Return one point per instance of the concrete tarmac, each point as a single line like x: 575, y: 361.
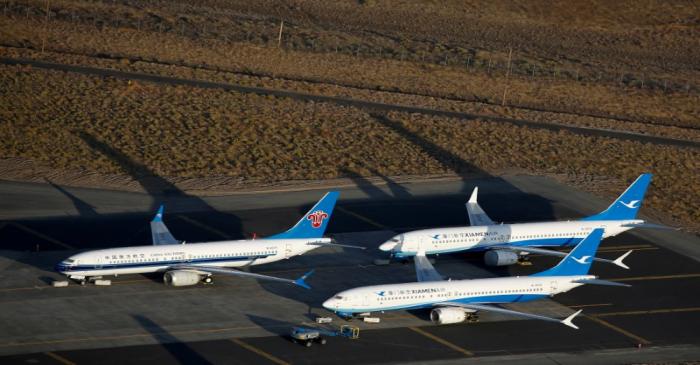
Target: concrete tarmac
x: 139, y: 320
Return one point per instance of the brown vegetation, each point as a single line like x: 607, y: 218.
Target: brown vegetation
x: 617, y: 65
x: 175, y: 132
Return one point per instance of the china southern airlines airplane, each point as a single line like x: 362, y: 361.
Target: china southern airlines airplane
x: 507, y: 244
x: 188, y: 264
x: 453, y: 301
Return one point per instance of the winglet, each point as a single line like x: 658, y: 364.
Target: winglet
x: 159, y: 215
x: 567, y: 320
x: 301, y: 281
x: 472, y: 199
x: 618, y: 261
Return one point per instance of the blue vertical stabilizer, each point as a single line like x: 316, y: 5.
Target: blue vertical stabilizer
x: 579, y: 260
x: 313, y: 224
x: 627, y: 204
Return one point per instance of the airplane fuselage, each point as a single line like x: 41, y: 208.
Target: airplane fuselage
x: 479, y: 238
x: 148, y: 259
x: 427, y: 294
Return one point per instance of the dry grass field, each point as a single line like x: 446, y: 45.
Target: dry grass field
x: 615, y: 65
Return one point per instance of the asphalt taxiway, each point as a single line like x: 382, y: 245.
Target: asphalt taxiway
x: 139, y: 320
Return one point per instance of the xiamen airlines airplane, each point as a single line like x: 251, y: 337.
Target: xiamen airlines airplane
x: 454, y: 301
x: 191, y: 263
x: 507, y: 244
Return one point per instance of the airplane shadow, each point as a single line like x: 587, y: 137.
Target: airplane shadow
x: 180, y: 351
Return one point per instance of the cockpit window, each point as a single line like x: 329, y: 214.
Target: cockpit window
x: 338, y: 297
x: 394, y: 239
x: 68, y: 261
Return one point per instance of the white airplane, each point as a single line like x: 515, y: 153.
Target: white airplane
x: 453, y: 301
x: 507, y: 244
x: 188, y: 264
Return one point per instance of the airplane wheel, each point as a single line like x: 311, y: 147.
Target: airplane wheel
x: 308, y: 344
x: 322, y: 341
x: 208, y: 280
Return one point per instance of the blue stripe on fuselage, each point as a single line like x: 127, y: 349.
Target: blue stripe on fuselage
x: 486, y: 299
x: 540, y: 242
x: 64, y: 268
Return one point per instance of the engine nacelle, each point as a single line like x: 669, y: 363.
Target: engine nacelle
x: 500, y: 258
x: 448, y: 315
x: 181, y: 278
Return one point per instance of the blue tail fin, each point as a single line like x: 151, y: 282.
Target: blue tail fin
x: 627, y: 204
x: 313, y: 223
x: 579, y: 260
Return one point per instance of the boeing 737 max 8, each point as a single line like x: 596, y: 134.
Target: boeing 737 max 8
x: 454, y: 301
x: 506, y: 244
x: 191, y: 263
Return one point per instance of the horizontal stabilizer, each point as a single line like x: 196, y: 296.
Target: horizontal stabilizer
x: 601, y: 282
x: 648, y: 225
x: 333, y: 244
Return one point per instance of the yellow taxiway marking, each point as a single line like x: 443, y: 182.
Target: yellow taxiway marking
x: 650, y: 311
x: 441, y: 341
x: 590, y: 305
x: 258, y: 351
x: 42, y: 236
x: 658, y: 277
x: 617, y: 329
x: 362, y: 218
x: 204, y: 227
x: 59, y: 358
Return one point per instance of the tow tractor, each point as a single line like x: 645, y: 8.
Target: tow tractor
x: 307, y: 336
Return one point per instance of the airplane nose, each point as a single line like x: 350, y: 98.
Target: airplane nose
x: 328, y: 304
x: 59, y: 267
x: 387, y: 246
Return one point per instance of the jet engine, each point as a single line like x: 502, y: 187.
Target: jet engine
x: 181, y: 278
x: 448, y: 315
x: 500, y: 258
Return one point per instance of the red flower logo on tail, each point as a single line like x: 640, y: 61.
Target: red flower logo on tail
x: 317, y: 218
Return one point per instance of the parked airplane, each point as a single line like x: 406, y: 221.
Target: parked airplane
x: 507, y: 244
x: 453, y: 301
x: 188, y: 264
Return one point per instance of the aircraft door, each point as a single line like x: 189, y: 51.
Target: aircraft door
x: 553, y: 285
x: 365, y: 300
x: 98, y: 264
x: 410, y: 244
x: 288, y: 250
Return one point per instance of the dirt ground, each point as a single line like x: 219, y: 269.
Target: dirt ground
x: 622, y: 65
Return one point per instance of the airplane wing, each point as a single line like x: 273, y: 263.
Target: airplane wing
x: 492, y: 308
x: 477, y: 216
x: 544, y: 251
x: 159, y: 232
x: 424, y: 269
x: 206, y: 270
